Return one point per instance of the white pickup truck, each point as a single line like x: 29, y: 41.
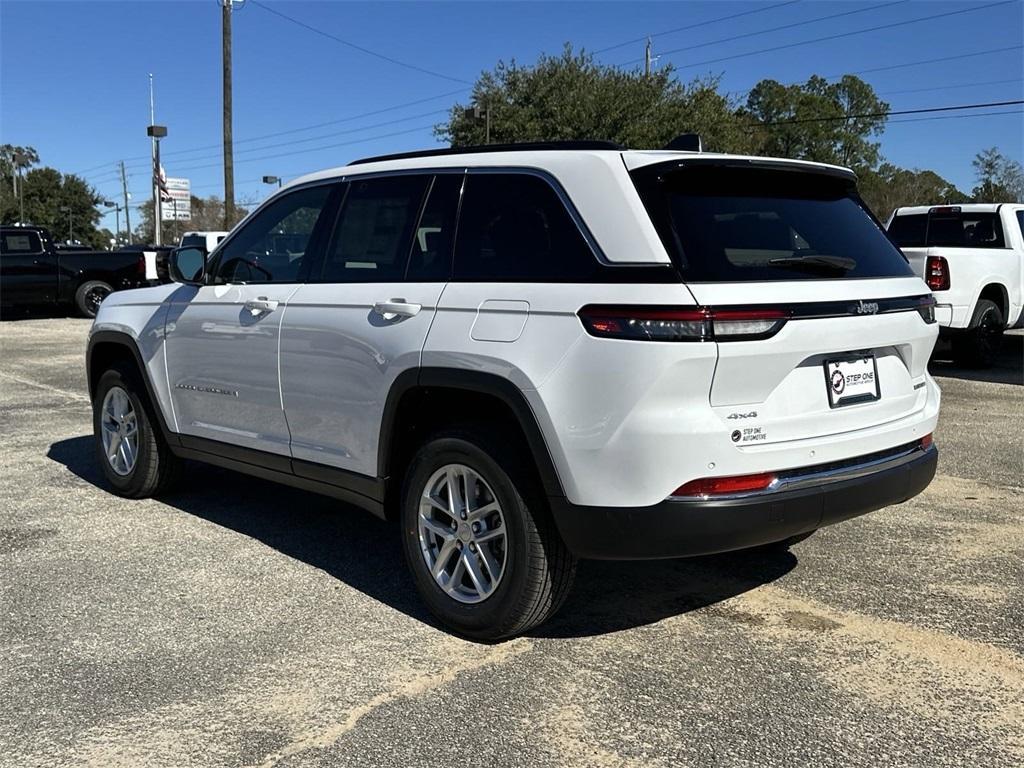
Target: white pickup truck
x: 972, y: 258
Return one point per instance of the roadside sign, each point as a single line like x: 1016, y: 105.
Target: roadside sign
x: 177, y: 201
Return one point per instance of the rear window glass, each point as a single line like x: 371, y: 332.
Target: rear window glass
x: 741, y: 224
x: 951, y: 229
x: 20, y: 242
x: 194, y: 241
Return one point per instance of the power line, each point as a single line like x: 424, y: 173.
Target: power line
x: 839, y: 35
x: 951, y: 87
x: 290, y: 131
x: 762, y: 9
x: 904, y: 65
x: 956, y: 117
x: 887, y: 113
x: 367, y: 51
x: 771, y: 29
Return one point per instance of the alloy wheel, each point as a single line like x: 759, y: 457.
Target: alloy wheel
x: 462, y: 533
x: 120, y: 431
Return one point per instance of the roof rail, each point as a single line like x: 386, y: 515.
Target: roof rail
x: 526, y: 146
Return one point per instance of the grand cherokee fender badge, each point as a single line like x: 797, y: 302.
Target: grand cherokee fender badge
x: 208, y: 390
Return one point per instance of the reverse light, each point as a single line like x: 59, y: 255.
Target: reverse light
x: 681, y: 324
x: 722, y: 486
x: 936, y: 273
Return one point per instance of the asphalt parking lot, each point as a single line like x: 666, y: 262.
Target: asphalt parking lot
x: 236, y: 623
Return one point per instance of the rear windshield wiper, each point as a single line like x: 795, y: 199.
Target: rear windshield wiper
x: 841, y: 263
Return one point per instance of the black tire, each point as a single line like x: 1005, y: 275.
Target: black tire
x: 90, y: 295
x: 156, y: 469
x: 538, y: 570
x: 979, y: 346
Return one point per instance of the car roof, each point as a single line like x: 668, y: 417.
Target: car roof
x: 964, y: 207
x: 544, y: 159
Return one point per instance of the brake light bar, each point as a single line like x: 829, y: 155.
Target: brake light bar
x: 722, y: 486
x: 681, y: 324
x: 936, y: 273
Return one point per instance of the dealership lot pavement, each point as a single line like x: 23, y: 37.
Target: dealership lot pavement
x: 237, y: 623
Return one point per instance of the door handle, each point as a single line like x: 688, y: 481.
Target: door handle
x: 260, y: 305
x: 395, y: 308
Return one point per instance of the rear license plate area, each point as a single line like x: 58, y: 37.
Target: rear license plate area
x: 851, y: 379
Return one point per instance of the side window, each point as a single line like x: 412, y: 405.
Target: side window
x: 431, y: 256
x: 273, y: 246
x: 374, y: 231
x: 20, y: 243
x: 514, y: 228
x: 1020, y: 223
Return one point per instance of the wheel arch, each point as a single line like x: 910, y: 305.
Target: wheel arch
x: 106, y: 348
x: 407, y: 412
x: 998, y: 294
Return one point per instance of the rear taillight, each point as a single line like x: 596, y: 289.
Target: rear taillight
x: 926, y: 308
x: 926, y: 442
x: 675, y: 324
x: 722, y: 486
x: 140, y: 265
x: 936, y: 273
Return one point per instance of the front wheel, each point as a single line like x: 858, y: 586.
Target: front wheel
x: 132, y: 454
x: 979, y: 346
x: 479, y: 538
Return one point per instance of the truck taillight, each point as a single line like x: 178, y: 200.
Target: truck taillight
x: 936, y: 273
x: 140, y: 265
x: 681, y: 324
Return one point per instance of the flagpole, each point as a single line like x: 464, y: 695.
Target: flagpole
x: 155, y: 152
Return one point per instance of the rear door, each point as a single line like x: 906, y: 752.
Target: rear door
x: 222, y: 339
x: 820, y: 327
x: 362, y: 318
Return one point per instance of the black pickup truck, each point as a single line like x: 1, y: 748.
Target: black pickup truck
x: 34, y: 273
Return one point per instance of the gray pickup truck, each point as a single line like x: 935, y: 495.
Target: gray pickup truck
x: 33, y: 273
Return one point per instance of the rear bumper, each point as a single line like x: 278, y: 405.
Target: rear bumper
x: 682, y: 528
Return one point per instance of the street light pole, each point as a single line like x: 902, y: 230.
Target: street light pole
x: 157, y: 132
x: 229, y: 160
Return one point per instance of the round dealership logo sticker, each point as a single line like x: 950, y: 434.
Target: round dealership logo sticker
x: 736, y: 435
x: 838, y: 382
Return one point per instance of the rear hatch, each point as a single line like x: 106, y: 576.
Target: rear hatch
x: 821, y: 326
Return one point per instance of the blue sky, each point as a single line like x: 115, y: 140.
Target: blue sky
x: 74, y: 75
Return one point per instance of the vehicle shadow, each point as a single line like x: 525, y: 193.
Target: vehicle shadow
x: 36, y: 313
x: 365, y: 553
x: 1009, y: 368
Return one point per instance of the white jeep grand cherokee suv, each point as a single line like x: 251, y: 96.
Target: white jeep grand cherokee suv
x: 531, y: 354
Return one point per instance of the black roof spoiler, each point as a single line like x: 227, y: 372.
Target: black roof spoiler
x: 532, y: 146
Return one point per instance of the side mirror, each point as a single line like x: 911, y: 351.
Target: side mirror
x: 187, y: 265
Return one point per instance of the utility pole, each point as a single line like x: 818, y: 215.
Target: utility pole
x: 127, y: 215
x: 19, y: 160
x: 229, y: 160
x: 647, y: 58
x: 155, y: 153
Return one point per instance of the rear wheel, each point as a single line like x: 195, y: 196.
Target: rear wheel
x: 479, y: 539
x: 979, y: 346
x: 90, y: 295
x: 134, y: 457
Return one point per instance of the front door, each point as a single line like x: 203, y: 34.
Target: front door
x: 362, y: 317
x: 28, y: 273
x: 222, y: 338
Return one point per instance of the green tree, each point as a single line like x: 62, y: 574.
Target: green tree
x: 890, y: 187
x: 571, y: 96
x: 46, y: 192
x: 811, y: 121
x: 12, y: 160
x: 1000, y: 179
